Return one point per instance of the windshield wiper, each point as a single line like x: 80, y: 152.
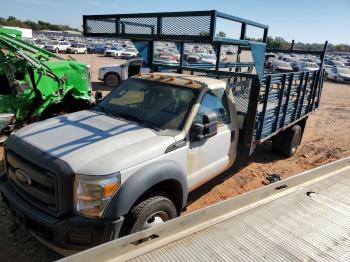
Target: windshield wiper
x: 138, y: 120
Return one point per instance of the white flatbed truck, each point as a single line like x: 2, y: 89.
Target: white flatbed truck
x: 303, y: 218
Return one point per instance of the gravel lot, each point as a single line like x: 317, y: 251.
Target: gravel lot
x: 326, y: 138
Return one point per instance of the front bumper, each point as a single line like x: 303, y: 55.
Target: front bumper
x: 68, y: 233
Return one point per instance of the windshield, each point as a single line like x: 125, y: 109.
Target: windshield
x: 343, y: 71
x: 155, y: 104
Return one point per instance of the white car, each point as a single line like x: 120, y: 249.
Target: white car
x: 282, y: 66
x: 209, y: 59
x: 114, y: 51
x: 77, y: 49
x: 311, y: 66
x: 113, y: 75
x: 57, y: 46
x: 338, y: 74
x: 129, y: 53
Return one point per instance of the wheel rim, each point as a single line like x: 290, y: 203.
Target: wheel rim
x: 112, y: 80
x: 155, y: 219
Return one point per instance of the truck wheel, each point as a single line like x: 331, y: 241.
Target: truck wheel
x: 291, y: 140
x: 57, y: 50
x: 112, y: 80
x: 148, y: 213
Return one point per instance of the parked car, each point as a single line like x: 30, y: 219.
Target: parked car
x: 129, y: 53
x: 100, y: 49
x: 39, y: 43
x: 57, y: 46
x: 114, y: 51
x: 77, y: 49
x: 282, y: 66
x: 193, y: 58
x: 113, y: 75
x: 90, y: 49
x: 338, y: 74
x: 304, y: 66
x: 209, y: 59
x: 311, y: 66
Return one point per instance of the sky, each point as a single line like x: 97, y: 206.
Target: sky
x: 309, y: 21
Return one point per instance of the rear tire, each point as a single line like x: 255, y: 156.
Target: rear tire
x: 291, y: 140
x: 148, y: 213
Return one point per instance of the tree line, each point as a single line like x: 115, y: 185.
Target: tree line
x: 40, y: 25
x: 279, y: 42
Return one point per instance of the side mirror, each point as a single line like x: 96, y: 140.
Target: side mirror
x: 98, y: 97
x: 208, y: 129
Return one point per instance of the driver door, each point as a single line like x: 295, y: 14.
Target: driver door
x: 209, y: 157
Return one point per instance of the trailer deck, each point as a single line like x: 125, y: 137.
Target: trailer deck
x: 303, y: 218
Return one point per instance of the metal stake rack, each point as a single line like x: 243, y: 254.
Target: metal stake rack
x: 269, y: 103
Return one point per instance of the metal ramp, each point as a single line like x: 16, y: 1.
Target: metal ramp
x: 303, y: 218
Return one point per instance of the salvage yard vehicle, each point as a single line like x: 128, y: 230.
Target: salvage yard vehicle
x: 338, y: 74
x: 129, y: 53
x: 115, y: 51
x: 282, y: 66
x: 113, y: 75
x: 36, y: 84
x: 57, y: 46
x: 129, y: 163
x: 77, y: 49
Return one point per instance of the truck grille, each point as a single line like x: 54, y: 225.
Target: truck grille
x: 33, y: 183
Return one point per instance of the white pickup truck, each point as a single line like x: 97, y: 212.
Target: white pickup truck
x: 126, y: 165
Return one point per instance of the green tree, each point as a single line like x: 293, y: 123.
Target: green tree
x: 221, y: 34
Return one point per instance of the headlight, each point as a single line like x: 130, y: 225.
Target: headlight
x: 92, y: 194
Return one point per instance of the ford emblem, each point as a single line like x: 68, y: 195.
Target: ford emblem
x: 23, y: 178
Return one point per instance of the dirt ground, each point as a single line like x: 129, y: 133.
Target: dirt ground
x: 326, y: 138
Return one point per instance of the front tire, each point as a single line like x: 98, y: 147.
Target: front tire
x: 148, y: 213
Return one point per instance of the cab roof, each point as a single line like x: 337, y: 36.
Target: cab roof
x: 184, y: 80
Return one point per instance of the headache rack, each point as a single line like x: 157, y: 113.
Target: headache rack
x: 268, y: 102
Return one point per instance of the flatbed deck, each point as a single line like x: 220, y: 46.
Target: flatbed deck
x: 303, y: 218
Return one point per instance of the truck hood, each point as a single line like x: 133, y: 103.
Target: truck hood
x: 93, y: 143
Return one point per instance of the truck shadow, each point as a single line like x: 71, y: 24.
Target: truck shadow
x: 262, y: 154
